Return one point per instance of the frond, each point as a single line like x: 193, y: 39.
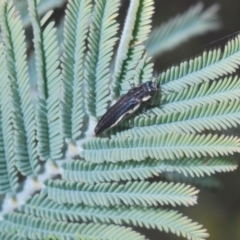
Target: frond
x: 130, y: 51
x: 75, y: 35
x: 20, y: 128
x: 153, y: 218
x: 102, y: 39
x: 36, y: 228
x: 48, y: 74
x: 226, y: 89
x: 130, y: 193
x: 191, y: 23
x: 81, y: 171
x: 169, y: 146
x: 209, y: 66
x: 214, y: 116
x: 12, y: 236
x: 8, y: 169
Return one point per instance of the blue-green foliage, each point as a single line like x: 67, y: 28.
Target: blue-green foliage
x: 131, y: 51
x: 101, y: 40
x: 88, y: 172
x: 168, y: 146
x: 26, y: 228
x: 48, y: 78
x: 162, y: 219
x: 108, y: 188
x: 18, y: 116
x: 72, y: 63
x: 141, y: 193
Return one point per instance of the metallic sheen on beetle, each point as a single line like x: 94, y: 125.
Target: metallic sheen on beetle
x: 126, y: 106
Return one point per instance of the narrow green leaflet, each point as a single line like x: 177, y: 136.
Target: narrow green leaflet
x: 9, y: 174
x: 153, y: 218
x: 20, y: 126
x: 72, y: 64
x: 208, y: 66
x: 29, y: 227
x: 7, y: 236
x: 214, y: 116
x: 101, y: 41
x: 130, y: 194
x: 168, y: 146
x: 225, y: 89
x: 130, y: 51
x: 48, y: 74
x: 88, y: 172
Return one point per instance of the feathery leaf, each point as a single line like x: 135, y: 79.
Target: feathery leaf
x: 87, y: 172
x: 21, y: 118
x: 48, y: 73
x: 209, y: 66
x: 35, y: 228
x: 213, y: 116
x: 154, y: 218
x: 8, y: 171
x: 226, y: 89
x: 101, y: 42
x: 12, y: 236
x: 75, y: 35
x: 130, y: 50
x: 131, y: 193
x: 162, y: 147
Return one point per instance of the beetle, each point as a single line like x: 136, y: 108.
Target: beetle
x: 126, y: 106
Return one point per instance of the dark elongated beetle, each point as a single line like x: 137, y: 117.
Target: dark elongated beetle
x: 126, y: 105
